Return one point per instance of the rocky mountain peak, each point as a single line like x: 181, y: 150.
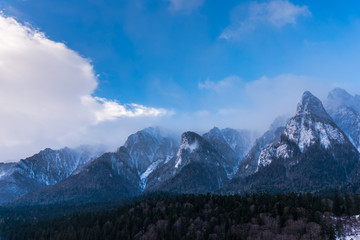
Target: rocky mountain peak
x: 345, y: 111
x: 188, y: 138
x: 147, y: 135
x: 311, y: 105
x: 192, y: 142
x: 154, y: 131
x: 338, y: 98
x: 339, y: 93
x: 312, y: 124
x: 215, y: 131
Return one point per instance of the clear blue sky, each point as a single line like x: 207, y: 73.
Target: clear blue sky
x: 209, y: 61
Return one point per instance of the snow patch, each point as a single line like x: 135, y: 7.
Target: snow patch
x: 178, y: 162
x: 283, y: 151
x: 307, y: 136
x: 168, y: 158
x: 266, y: 157
x: 351, y: 227
x: 324, y: 138
x: 149, y: 170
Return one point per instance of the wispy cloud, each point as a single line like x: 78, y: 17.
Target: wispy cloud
x: 280, y: 94
x: 251, y: 104
x: 46, y: 93
x: 110, y: 110
x: 221, y: 85
x: 248, y: 17
x: 186, y: 6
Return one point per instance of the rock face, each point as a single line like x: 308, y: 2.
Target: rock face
x: 196, y: 168
x: 48, y: 167
x: 345, y: 111
x: 313, y: 153
x: 148, y: 149
x: 232, y: 144
x: 148, y: 146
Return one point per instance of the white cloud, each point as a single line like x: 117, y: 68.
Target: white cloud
x: 46, y: 94
x: 184, y: 5
x: 276, y: 13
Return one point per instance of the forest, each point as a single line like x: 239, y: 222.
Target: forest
x: 259, y: 216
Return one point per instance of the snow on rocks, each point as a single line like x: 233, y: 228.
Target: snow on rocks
x: 185, y: 147
x: 266, y: 157
x: 309, y: 126
x: 351, y: 228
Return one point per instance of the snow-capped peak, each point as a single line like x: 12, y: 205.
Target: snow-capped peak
x: 310, y: 125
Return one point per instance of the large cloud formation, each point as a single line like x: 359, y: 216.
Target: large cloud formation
x: 46, y: 93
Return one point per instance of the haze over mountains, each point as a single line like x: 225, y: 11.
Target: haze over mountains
x: 315, y: 150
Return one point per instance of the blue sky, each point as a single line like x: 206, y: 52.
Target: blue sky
x: 137, y: 45
x: 202, y: 62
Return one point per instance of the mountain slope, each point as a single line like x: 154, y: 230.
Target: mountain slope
x: 147, y: 146
x: 109, y: 177
x: 48, y: 167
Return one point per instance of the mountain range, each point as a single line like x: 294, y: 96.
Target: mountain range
x: 315, y: 150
